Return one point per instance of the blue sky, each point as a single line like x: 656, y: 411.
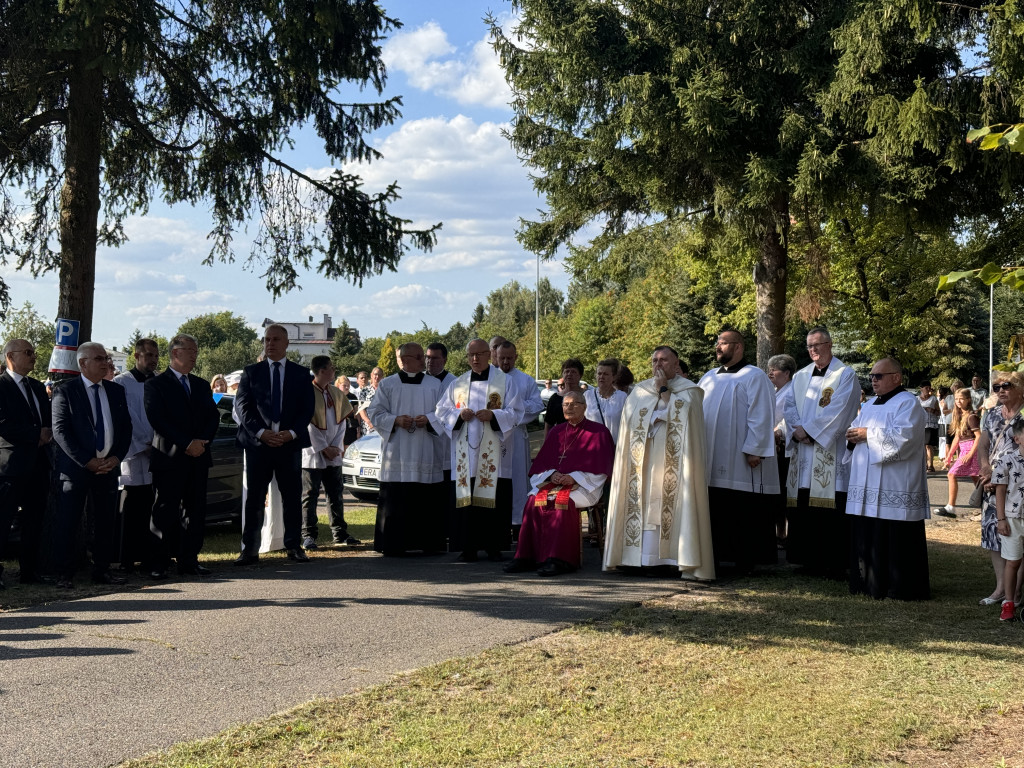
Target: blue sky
x: 447, y: 154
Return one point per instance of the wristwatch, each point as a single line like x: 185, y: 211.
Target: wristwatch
x: 663, y: 390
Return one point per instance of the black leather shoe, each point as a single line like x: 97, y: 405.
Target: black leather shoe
x: 520, y: 565
x: 298, y: 555
x: 494, y: 556
x: 468, y: 557
x: 158, y: 574
x: 554, y: 567
x: 106, y: 578
x: 194, y: 570
x: 247, y: 560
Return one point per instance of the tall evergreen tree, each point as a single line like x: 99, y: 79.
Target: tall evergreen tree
x: 106, y: 104
x: 755, y: 112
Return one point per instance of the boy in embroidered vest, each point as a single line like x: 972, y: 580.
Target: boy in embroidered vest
x: 820, y: 405
x: 479, y: 412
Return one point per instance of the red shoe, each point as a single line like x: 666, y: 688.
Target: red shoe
x: 1007, y: 613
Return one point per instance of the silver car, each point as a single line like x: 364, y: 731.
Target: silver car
x: 361, y: 467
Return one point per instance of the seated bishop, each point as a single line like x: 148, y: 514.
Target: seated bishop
x: 569, y: 473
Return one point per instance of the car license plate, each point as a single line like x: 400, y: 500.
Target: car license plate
x: 368, y: 471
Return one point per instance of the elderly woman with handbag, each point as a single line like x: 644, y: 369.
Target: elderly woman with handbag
x: 996, y: 439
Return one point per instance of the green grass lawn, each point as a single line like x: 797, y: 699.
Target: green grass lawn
x: 774, y: 670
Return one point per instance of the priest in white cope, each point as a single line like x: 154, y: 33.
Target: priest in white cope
x: 743, y: 473
x: 887, y: 500
x: 568, y: 474
x: 533, y: 406
x: 658, y: 505
x: 820, y: 406
x: 410, y: 505
x: 479, y: 412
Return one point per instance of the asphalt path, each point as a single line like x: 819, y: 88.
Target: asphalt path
x: 95, y: 681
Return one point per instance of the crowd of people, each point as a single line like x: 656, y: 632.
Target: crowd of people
x: 696, y: 478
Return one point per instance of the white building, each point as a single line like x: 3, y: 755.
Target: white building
x: 310, y: 338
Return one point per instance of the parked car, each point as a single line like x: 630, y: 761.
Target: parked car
x: 224, y: 486
x: 361, y: 467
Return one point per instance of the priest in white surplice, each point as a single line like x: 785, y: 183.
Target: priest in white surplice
x: 529, y: 397
x: 437, y: 361
x: 410, y: 506
x: 887, y: 500
x: 479, y: 411
x: 820, y: 406
x: 743, y: 473
x: 658, y: 505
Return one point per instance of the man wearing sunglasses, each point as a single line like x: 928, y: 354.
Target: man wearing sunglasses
x: 887, y: 501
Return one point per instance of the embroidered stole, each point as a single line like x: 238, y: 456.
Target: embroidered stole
x: 488, y: 452
x: 319, y: 419
x: 824, y: 470
x: 668, y: 443
x: 551, y: 496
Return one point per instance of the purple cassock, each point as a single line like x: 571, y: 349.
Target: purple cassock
x: 551, y: 520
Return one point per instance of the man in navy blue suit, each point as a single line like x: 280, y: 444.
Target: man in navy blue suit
x: 24, y: 459
x: 93, y: 432
x: 275, y: 402
x: 180, y: 408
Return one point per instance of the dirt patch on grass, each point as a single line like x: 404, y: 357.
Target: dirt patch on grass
x: 999, y: 742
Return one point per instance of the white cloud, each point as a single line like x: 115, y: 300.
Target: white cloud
x: 149, y: 280
x: 431, y: 63
x: 416, y: 300
x: 317, y: 310
x: 177, y: 308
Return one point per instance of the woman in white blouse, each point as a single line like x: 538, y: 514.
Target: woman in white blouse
x: 604, y: 402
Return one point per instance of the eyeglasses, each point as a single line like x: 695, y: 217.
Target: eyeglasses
x: 1007, y: 385
x: 478, y: 354
x: 29, y: 352
x: 877, y: 376
x: 98, y: 359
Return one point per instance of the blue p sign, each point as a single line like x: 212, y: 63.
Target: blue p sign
x: 67, y: 332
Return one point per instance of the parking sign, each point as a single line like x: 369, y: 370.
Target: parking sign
x: 63, y: 359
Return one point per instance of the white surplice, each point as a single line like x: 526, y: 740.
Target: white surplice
x: 506, y: 417
x: 587, y: 491
x: 445, y: 379
x: 887, y: 473
x: 824, y: 406
x: 658, y: 510
x: 739, y: 418
x: 272, y: 532
x: 408, y: 457
x: 605, y: 410
x: 135, y: 466
x: 333, y: 435
x: 529, y: 397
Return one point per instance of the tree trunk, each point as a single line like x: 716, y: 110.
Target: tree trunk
x: 770, y: 283
x: 80, y: 196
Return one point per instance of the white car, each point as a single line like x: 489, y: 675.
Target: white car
x: 361, y: 467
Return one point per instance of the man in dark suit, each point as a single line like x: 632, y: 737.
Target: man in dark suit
x: 93, y: 432
x: 275, y: 402
x: 24, y: 458
x: 180, y: 408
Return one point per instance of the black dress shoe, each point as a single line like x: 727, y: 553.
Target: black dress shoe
x: 520, y: 565
x: 194, y: 570
x: 494, y: 556
x: 298, y: 555
x: 158, y: 574
x: 106, y: 578
x: 555, y: 567
x: 467, y: 557
x: 247, y: 560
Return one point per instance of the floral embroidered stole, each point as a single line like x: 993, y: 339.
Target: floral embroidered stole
x: 488, y: 452
x: 825, y: 468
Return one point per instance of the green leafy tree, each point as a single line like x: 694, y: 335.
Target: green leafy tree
x: 363, y: 360
x: 105, y: 105
x: 387, y: 361
x: 753, y: 113
x: 27, y: 323
x: 215, y: 328
x: 227, y: 357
